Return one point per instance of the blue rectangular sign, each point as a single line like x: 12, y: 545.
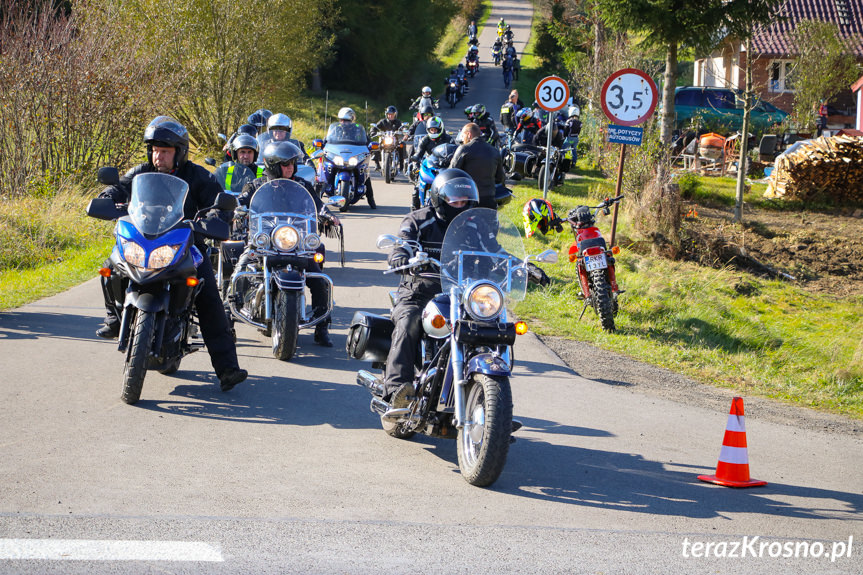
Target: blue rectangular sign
x: 625, y: 135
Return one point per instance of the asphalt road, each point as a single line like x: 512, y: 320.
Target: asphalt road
x: 291, y: 473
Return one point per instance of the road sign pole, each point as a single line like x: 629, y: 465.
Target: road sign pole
x: 617, y: 192
x: 550, y: 126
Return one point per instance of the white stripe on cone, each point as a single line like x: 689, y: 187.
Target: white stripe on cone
x: 735, y: 455
x: 735, y: 423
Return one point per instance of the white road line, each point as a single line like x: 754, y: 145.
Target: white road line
x: 99, y: 550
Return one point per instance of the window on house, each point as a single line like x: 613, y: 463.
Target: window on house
x: 781, y: 76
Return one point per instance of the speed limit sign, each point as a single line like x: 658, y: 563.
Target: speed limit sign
x: 552, y: 93
x: 628, y: 97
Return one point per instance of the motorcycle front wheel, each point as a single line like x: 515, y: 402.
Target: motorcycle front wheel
x: 602, y: 301
x: 483, y: 441
x: 388, y: 161
x: 541, y: 178
x: 286, y: 324
x: 143, y: 330
x: 345, y: 192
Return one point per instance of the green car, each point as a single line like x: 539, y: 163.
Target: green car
x: 721, y: 110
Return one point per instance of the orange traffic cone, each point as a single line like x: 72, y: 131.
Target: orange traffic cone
x: 733, y: 467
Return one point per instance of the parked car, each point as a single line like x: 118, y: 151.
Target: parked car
x: 721, y: 109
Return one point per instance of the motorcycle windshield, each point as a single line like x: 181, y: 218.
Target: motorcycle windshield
x: 480, y: 245
x: 281, y: 201
x: 157, y: 202
x: 346, y: 134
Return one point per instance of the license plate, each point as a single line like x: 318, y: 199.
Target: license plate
x: 596, y: 262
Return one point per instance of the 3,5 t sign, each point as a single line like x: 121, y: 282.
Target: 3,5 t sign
x: 628, y: 97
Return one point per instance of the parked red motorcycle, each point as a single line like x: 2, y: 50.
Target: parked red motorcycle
x: 595, y: 261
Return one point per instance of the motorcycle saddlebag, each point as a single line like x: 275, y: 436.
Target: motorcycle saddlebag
x: 523, y: 163
x: 370, y: 337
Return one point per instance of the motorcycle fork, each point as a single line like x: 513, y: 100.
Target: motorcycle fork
x: 457, y: 362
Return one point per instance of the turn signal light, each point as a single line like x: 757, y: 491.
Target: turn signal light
x: 105, y: 272
x: 520, y: 327
x: 615, y: 250
x: 191, y: 282
x: 438, y: 321
x: 319, y: 257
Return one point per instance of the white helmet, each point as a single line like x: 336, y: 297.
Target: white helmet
x: 426, y: 91
x: 347, y: 114
x: 574, y: 111
x: 280, y: 122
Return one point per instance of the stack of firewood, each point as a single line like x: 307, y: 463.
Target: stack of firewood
x: 826, y: 167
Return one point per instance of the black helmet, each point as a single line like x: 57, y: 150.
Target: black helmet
x: 247, y: 129
x: 244, y: 141
x: 259, y: 118
x: 278, y: 153
x: 449, y: 186
x: 392, y: 110
x: 167, y: 132
x: 478, y: 111
x: 583, y: 217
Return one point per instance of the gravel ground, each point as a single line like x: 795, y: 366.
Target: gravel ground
x: 613, y: 369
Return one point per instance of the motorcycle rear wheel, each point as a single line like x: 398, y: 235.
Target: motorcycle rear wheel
x: 345, y: 192
x: 286, y: 324
x: 541, y: 178
x: 135, y: 369
x: 483, y: 441
x: 602, y: 301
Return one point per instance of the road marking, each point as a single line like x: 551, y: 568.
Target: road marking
x: 99, y: 550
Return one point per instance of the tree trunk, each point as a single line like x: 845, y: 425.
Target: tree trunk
x: 744, y: 137
x: 667, y: 126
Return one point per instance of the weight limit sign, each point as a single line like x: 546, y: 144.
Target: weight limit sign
x: 628, y: 97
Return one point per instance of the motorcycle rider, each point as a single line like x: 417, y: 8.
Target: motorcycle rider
x: 527, y: 126
x: 572, y: 126
x: 280, y: 128
x: 541, y: 138
x: 390, y: 123
x: 508, y: 111
x: 259, y: 118
x: 280, y: 161
x: 435, y: 135
x: 167, y: 149
x: 451, y: 193
x: 346, y: 117
x: 508, y: 34
x: 424, y: 98
x: 506, y: 68
x: 471, y: 30
x: 482, y: 162
x: 480, y: 116
x: 234, y: 174
x: 497, y: 48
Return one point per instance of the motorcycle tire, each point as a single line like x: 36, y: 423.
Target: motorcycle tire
x: 172, y: 367
x: 143, y: 331
x: 483, y: 441
x: 286, y: 324
x: 345, y: 192
x: 398, y: 430
x: 602, y: 299
x: 541, y: 178
x: 387, y: 164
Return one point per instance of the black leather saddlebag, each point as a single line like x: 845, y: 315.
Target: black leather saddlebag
x: 370, y: 337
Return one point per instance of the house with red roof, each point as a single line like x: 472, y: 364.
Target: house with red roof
x: 774, y: 50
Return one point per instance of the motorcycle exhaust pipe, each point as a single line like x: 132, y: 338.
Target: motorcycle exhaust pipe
x: 379, y: 406
x: 367, y: 380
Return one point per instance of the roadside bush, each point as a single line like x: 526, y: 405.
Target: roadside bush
x: 689, y: 184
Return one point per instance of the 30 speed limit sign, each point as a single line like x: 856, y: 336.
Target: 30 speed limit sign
x: 552, y: 93
x: 628, y: 97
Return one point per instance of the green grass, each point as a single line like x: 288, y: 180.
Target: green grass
x: 453, y: 44
x: 720, y: 326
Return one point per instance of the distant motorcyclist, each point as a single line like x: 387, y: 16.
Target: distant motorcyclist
x: 424, y: 98
x: 541, y: 138
x: 426, y: 113
x: 435, y: 135
x: 482, y: 162
x: 451, y: 193
x: 508, y: 111
x: 390, y: 123
x: 480, y: 116
x: 497, y: 51
x: 572, y: 126
x: 508, y: 34
x: 167, y: 150
x: 348, y: 117
x: 471, y: 30
x: 241, y: 169
x: 280, y: 127
x: 259, y: 118
x: 280, y: 161
x: 527, y: 126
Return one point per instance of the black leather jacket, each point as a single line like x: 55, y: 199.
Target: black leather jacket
x: 424, y: 226
x: 488, y: 127
x: 426, y: 145
x: 483, y: 163
x: 386, y: 126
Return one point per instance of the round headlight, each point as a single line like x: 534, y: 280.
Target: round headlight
x: 339, y: 161
x: 286, y: 238
x: 388, y: 140
x: 312, y: 241
x: 162, y: 257
x: 353, y: 161
x: 484, y: 301
x: 262, y: 240
x: 133, y: 253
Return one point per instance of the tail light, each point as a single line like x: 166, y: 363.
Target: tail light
x: 594, y: 251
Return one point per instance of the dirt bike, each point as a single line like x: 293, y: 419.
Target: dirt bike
x: 462, y: 389
x: 154, y: 280
x: 595, y: 262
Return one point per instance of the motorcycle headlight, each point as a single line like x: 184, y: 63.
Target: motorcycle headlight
x: 312, y: 242
x: 388, y: 141
x: 338, y: 160
x: 162, y: 257
x: 286, y: 238
x: 262, y: 240
x: 353, y: 161
x: 133, y: 253
x: 484, y: 301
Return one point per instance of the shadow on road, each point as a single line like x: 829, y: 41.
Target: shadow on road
x: 35, y: 325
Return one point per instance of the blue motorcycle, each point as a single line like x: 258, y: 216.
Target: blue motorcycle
x: 343, y: 164
x: 153, y: 275
x: 430, y: 166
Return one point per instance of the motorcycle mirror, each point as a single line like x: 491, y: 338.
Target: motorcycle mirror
x: 317, y: 154
x: 386, y: 242
x: 222, y: 136
x: 210, y: 161
x: 226, y: 202
x: 104, y: 209
x: 336, y: 201
x: 108, y: 176
x: 547, y: 257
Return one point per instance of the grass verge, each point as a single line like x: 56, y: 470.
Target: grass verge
x: 719, y: 326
